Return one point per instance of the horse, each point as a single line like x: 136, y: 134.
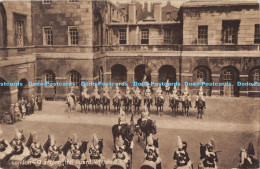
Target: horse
x: 95, y: 103
x: 105, y: 103
x: 84, y: 102
x: 148, y: 102
x: 174, y: 104
x: 71, y: 102
x: 146, y: 127
x: 159, y: 104
x: 247, y: 161
x: 186, y: 106
x: 137, y: 103
x: 117, y: 103
x: 127, y: 104
x: 200, y: 104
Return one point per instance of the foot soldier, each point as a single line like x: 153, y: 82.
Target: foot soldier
x: 181, y: 157
x: 209, y: 159
x: 186, y: 96
x: 152, y: 152
x: 167, y: 87
x: 120, y: 153
x: 95, y: 152
x: 39, y: 102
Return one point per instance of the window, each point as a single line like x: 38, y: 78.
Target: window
x: 47, y: 36
x: 201, y: 74
x: 145, y: 36
x: 203, y: 35
x: 230, y: 31
x: 73, y: 36
x: 122, y: 36
x: 167, y: 36
x: 256, y: 77
x: 47, y: 1
x: 257, y: 33
x: 19, y: 32
x: 228, y: 75
x: 49, y: 77
x: 75, y: 78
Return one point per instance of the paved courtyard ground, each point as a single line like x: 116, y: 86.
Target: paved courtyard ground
x: 232, y: 122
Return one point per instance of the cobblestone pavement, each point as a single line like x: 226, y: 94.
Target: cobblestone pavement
x: 232, y: 122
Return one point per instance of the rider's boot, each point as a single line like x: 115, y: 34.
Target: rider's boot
x: 190, y: 103
x: 159, y: 166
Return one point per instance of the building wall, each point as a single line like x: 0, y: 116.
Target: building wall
x: 213, y: 17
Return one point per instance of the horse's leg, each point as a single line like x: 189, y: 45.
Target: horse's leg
x: 157, y: 111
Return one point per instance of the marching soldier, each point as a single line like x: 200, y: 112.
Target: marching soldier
x: 181, y: 156
x: 186, y: 95
x: 211, y: 157
x: 120, y: 151
x: 152, y: 152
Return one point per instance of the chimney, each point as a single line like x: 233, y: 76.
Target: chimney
x: 157, y: 12
x: 131, y: 13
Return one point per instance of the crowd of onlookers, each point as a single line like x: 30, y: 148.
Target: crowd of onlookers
x: 18, y: 111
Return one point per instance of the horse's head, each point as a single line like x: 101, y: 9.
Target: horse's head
x: 152, y: 126
x: 202, y: 151
x: 156, y: 142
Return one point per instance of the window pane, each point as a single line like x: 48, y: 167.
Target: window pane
x: 257, y: 33
x: 73, y: 31
x: 144, y: 36
x: 203, y: 35
x: 48, y: 36
x: 19, y: 33
x: 122, y: 36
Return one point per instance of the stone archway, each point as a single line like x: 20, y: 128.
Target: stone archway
x: 118, y: 73
x: 167, y: 72
x: 202, y: 74
x: 230, y: 74
x: 23, y: 89
x: 142, y: 73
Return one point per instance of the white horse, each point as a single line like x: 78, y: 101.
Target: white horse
x: 71, y: 103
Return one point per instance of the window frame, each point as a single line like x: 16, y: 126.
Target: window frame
x: 75, y: 78
x: 122, y: 40
x: 229, y: 74
x: 143, y: 40
x: 257, y: 34
x: 44, y: 36
x: 203, y: 35
x: 21, y: 33
x: 50, y: 78
x: 227, y: 27
x: 70, y: 36
x: 167, y: 39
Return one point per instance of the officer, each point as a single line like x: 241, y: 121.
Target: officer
x: 106, y: 92
x: 35, y: 148
x: 152, y: 152
x: 128, y: 93
x: 95, y: 149
x: 117, y: 93
x: 186, y: 95
x: 200, y: 96
x: 211, y: 157
x: 85, y: 92
x: 120, y: 151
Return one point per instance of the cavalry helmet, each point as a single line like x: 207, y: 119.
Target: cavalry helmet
x: 18, y: 134
x: 179, y: 142
x: 94, y: 140
x: 74, y: 138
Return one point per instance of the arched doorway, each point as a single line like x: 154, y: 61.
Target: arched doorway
x: 118, y: 73
x: 254, y: 76
x: 202, y: 74
x: 100, y: 74
x: 167, y: 72
x: 229, y: 74
x: 49, y: 91
x: 142, y: 73
x: 23, y: 89
x: 4, y: 96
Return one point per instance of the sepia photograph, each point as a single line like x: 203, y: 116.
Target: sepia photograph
x: 129, y: 84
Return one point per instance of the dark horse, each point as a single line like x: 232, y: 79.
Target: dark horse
x: 148, y: 102
x: 145, y: 128
x: 200, y: 104
x: 174, y: 104
x: 125, y: 130
x: 186, y: 107
x: 137, y: 103
x: 105, y: 103
x: 128, y: 104
x: 117, y: 104
x: 84, y: 103
x: 95, y: 103
x: 159, y: 104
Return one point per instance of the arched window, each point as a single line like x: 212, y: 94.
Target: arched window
x: 228, y: 75
x: 49, y: 77
x: 201, y: 75
x: 75, y: 78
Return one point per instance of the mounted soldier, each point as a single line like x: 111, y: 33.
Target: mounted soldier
x: 128, y: 99
x: 181, y: 157
x: 186, y: 96
x: 117, y: 99
x: 209, y: 157
x: 174, y: 101
x: 5, y: 149
x: 117, y: 93
x: 53, y: 151
x: 71, y: 100
x: 200, y: 103
x: 159, y: 101
x: 120, y: 152
x: 84, y: 99
x: 105, y: 100
x: 85, y: 92
x: 128, y: 93
x: 247, y: 157
x: 138, y: 93
x: 152, y: 152
x: 186, y: 102
x: 95, y: 151
x: 106, y: 92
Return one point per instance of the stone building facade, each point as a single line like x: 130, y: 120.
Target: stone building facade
x: 77, y: 40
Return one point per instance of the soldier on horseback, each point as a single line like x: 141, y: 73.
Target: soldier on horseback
x: 54, y: 152
x: 200, y: 96
x: 138, y: 93
x: 96, y: 94
x: 17, y: 142
x: 117, y: 93
x: 148, y: 92
x: 85, y: 92
x: 75, y: 152
x: 122, y: 118
x: 152, y: 152
x: 167, y: 87
x: 174, y: 94
x: 5, y: 148
x: 186, y: 96
x: 106, y: 92
x: 35, y: 147
x: 120, y: 151
x: 95, y: 150
x: 128, y: 93
x: 181, y: 156
x: 210, y: 158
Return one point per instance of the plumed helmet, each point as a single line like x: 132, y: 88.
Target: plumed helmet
x: 119, y: 141
x: 143, y: 114
x: 71, y: 89
x: 186, y: 88
x: 179, y: 142
x: 53, y: 141
x: 94, y: 140
x: 74, y: 138
x: 213, y: 143
x: 150, y: 140
x: 18, y: 134
x: 34, y: 137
